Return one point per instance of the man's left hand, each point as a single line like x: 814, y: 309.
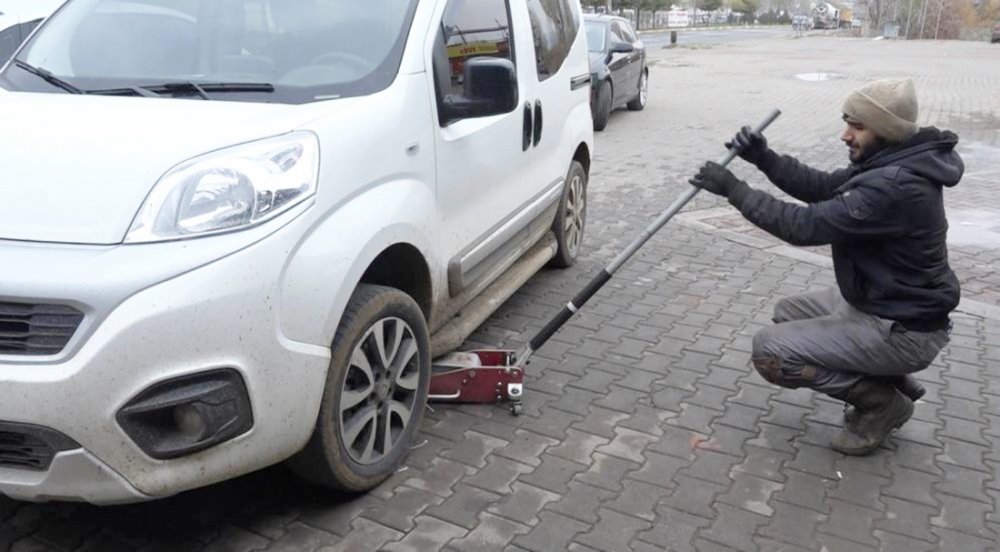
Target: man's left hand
x: 716, y: 179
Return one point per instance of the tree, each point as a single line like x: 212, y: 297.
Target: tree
x: 708, y: 5
x: 746, y: 7
x: 657, y: 6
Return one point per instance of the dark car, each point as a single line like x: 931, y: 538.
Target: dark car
x: 618, y: 72
x: 18, y: 19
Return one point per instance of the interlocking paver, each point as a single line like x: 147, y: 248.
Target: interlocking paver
x: 430, y: 534
x: 751, y: 493
x: 953, y: 540
x: 694, y: 496
x: 964, y: 515
x: 647, y: 420
x: 908, y: 518
x: 734, y: 528
x: 674, y: 530
x: 791, y: 524
x: 851, y: 522
x: 600, y: 421
x: 553, y: 532
x: 474, y: 449
x: 527, y: 447
x: 775, y: 438
x: 440, y: 478
x: 628, y: 444
x: 965, y: 483
x: 364, y: 536
x: 298, y: 537
x: 638, y: 500
x: 805, y: 490
x: 913, y: 486
x: 607, y: 472
x: 524, y: 504
x: 581, y: 502
x: 492, y: 533
x: 462, y: 508
x: 553, y: 473
x: 613, y: 532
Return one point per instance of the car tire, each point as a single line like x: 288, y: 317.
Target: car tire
x: 638, y: 103
x: 602, y: 107
x: 350, y: 449
x: 571, y: 219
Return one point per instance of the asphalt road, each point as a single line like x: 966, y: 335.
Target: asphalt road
x: 659, y: 39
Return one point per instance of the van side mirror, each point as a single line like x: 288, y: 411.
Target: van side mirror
x: 489, y: 88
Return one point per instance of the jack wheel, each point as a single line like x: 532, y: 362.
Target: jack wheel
x: 515, y: 409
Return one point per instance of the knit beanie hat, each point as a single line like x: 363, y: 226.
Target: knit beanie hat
x: 888, y: 107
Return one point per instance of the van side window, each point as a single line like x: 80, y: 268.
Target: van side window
x: 554, y: 24
x: 469, y: 28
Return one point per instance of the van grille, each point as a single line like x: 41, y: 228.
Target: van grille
x: 30, y: 447
x: 32, y: 329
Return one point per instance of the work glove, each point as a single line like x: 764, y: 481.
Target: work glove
x: 750, y: 146
x: 716, y: 179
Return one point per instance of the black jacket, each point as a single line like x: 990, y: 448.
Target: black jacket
x: 884, y: 219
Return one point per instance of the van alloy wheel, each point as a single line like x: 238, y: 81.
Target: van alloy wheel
x: 575, y: 211
x: 380, y: 389
x: 375, y: 394
x: 571, y: 218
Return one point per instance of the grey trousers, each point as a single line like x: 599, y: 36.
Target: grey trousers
x: 821, y: 342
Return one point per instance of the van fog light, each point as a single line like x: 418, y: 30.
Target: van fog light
x: 188, y: 414
x: 189, y: 421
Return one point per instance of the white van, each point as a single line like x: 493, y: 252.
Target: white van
x: 235, y: 232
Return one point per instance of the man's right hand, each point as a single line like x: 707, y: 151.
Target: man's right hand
x: 750, y: 146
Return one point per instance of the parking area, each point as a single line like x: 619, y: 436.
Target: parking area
x: 644, y: 427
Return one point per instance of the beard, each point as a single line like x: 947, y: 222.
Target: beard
x: 863, y: 153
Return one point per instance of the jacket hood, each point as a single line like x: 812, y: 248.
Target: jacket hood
x: 930, y: 154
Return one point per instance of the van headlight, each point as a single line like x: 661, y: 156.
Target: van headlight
x: 231, y: 189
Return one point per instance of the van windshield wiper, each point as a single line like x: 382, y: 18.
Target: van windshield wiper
x: 48, y: 77
x: 200, y: 89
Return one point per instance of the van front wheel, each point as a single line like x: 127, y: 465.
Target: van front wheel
x: 375, y: 395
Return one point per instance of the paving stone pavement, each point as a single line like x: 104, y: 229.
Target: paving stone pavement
x: 644, y: 428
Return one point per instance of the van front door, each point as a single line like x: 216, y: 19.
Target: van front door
x: 485, y: 181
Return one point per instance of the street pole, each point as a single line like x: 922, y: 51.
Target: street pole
x: 937, y: 26
x: 909, y: 17
x: 923, y: 19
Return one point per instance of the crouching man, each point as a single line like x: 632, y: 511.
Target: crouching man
x: 884, y: 217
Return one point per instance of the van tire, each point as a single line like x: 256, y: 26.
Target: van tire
x: 327, y: 458
x: 571, y: 218
x: 602, y: 105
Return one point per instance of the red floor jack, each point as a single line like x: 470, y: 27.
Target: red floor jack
x: 487, y: 376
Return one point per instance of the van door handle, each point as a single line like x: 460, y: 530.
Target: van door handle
x: 528, y: 130
x: 538, y: 122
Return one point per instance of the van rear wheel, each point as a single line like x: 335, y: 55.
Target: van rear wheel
x: 375, y: 395
x: 571, y: 219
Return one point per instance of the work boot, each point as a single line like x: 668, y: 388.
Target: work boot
x: 905, y: 384
x: 908, y: 385
x: 878, y: 409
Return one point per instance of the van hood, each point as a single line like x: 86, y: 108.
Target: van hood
x: 76, y: 169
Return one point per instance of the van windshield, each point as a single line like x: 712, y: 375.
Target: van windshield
x: 289, y: 51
